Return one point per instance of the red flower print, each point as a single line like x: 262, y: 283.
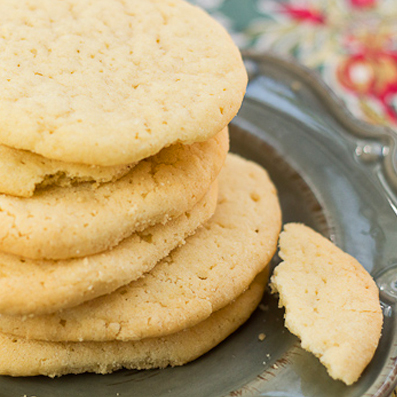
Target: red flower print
x: 303, y: 14
x: 372, y: 71
x: 363, y: 3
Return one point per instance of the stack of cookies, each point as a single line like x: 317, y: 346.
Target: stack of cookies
x: 129, y: 237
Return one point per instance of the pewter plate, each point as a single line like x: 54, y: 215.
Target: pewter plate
x: 336, y: 175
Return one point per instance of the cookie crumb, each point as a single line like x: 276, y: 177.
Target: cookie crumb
x: 261, y: 336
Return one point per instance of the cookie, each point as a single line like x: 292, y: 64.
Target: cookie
x: 56, y: 358
x: 113, y: 82
x: 29, y: 286
x: 331, y: 302
x: 21, y: 172
x: 59, y: 223
x: 215, y: 266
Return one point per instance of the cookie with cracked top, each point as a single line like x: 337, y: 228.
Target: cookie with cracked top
x: 63, y: 223
x: 21, y: 172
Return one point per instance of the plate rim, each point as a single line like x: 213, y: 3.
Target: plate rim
x: 360, y: 129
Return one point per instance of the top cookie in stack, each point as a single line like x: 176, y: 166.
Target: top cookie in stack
x: 113, y: 82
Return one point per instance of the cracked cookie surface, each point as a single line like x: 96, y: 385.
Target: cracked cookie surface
x: 213, y: 268
x: 113, y: 82
x: 59, y: 223
x: 29, y: 286
x: 59, y: 358
x: 21, y: 172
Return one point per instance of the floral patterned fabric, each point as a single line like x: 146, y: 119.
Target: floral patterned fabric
x: 351, y: 43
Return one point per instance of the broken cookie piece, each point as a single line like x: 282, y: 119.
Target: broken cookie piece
x: 331, y: 302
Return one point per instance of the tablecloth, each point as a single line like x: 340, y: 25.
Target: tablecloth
x: 351, y: 43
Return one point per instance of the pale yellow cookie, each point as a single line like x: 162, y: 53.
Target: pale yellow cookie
x: 31, y: 358
x: 22, y: 171
x: 113, y: 82
x: 331, y: 302
x: 214, y: 267
x: 59, y: 223
x: 30, y: 286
